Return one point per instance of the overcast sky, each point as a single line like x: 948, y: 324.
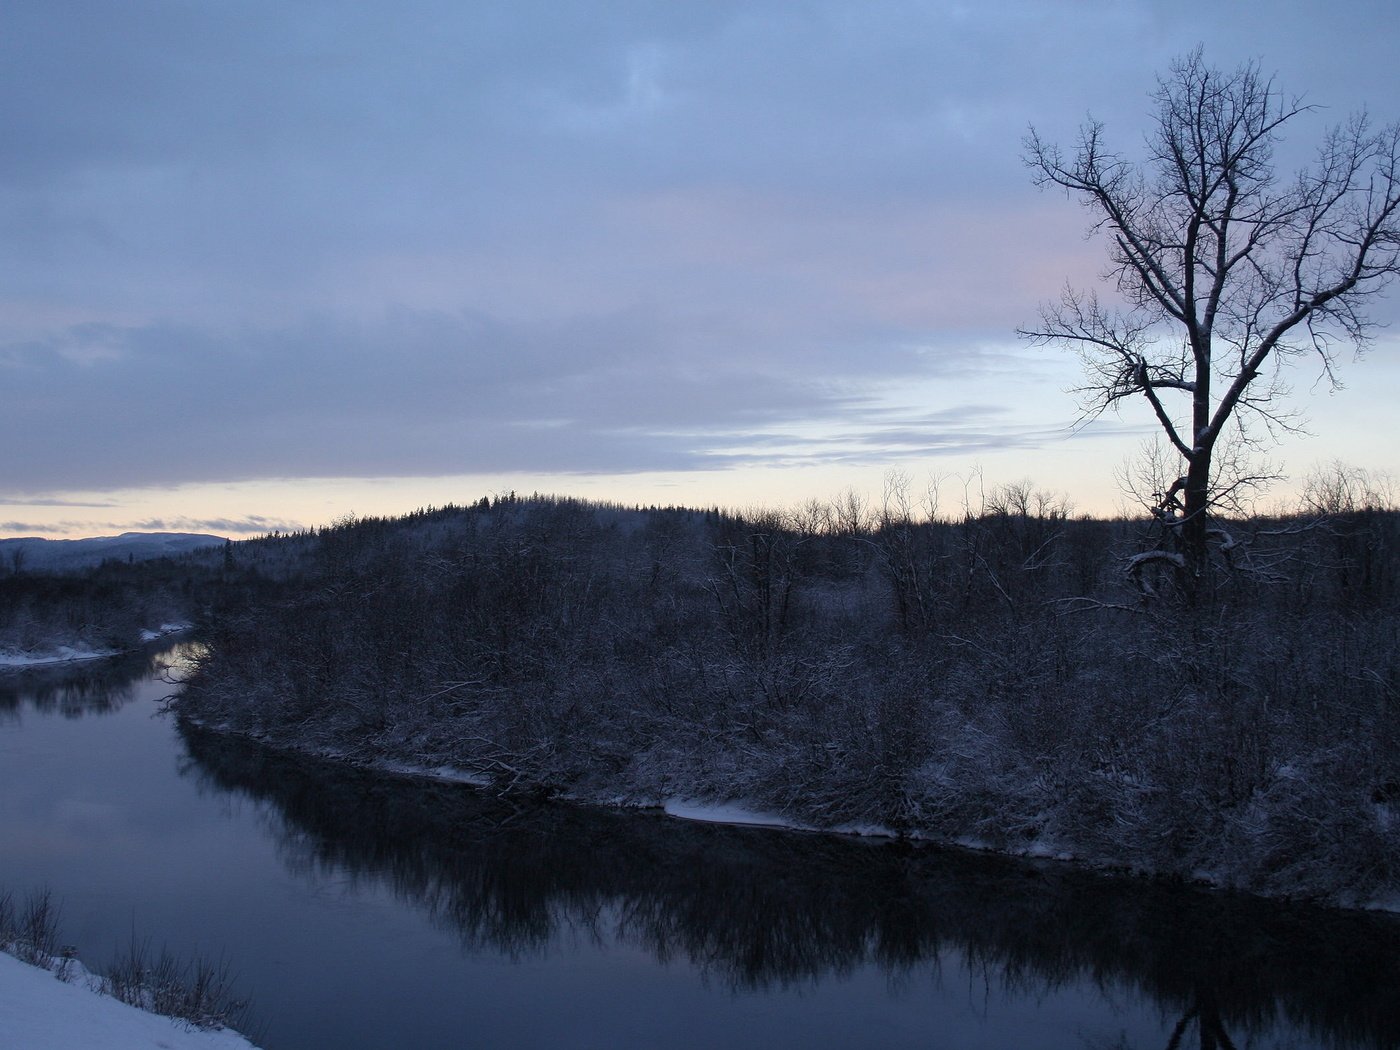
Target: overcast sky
x: 265, y: 264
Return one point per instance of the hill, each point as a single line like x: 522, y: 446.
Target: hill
x: 31, y: 553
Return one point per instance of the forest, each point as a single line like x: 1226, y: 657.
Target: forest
x: 101, y: 609
x: 1009, y: 677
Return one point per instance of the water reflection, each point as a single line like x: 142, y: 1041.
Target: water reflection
x: 760, y: 909
x: 83, y: 687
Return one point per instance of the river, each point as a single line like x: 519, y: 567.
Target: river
x: 362, y: 911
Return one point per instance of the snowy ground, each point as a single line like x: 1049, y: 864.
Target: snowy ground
x: 40, y: 1012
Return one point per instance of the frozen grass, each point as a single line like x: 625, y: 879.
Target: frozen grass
x: 198, y: 991
x: 30, y: 932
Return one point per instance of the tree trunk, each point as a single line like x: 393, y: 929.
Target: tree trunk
x: 1195, y: 524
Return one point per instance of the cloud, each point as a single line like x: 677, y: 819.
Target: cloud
x: 294, y: 240
x: 26, y: 527
x: 51, y: 502
x: 252, y: 524
x: 423, y: 394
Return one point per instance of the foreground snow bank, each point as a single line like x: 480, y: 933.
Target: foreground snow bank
x: 40, y: 1012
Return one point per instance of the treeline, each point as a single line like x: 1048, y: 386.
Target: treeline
x: 1010, y: 676
x: 103, y: 608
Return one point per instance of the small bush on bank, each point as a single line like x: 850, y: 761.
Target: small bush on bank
x: 30, y: 933
x: 196, y: 991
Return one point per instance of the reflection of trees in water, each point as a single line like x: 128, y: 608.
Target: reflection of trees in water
x: 1205, y: 1015
x: 760, y: 908
x: 84, y: 687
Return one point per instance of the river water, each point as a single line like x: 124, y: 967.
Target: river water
x: 367, y: 912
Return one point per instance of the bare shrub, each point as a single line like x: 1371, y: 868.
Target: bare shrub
x: 198, y: 992
x: 30, y: 933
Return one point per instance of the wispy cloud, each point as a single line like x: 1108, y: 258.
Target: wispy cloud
x: 63, y: 528
x: 252, y: 524
x: 418, y: 393
x: 47, y: 501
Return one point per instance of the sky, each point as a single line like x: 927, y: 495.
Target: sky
x: 266, y: 264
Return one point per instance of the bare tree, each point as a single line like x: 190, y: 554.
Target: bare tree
x: 1224, y: 270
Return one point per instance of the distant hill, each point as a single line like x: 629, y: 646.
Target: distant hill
x: 40, y: 555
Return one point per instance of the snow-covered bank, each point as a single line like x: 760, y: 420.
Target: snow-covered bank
x: 737, y: 814
x: 740, y: 814
x: 728, y: 813
x: 58, y: 654
x: 77, y: 652
x: 749, y: 813
x: 40, y: 1012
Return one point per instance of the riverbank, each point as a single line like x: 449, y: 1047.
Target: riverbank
x: 757, y: 907
x: 192, y: 996
x: 38, y: 1011
x: 21, y: 660
x: 56, y: 653
x: 752, y: 814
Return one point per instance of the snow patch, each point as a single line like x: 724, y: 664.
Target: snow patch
x: 740, y: 815
x: 163, y: 630
x: 1389, y: 902
x: 728, y: 813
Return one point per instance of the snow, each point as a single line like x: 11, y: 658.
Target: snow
x: 40, y: 1012
x: 163, y: 630
x: 61, y: 654
x: 738, y: 814
x: 1168, y: 556
x: 727, y: 813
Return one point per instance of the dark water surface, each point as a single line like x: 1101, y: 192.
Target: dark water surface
x: 364, y: 912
